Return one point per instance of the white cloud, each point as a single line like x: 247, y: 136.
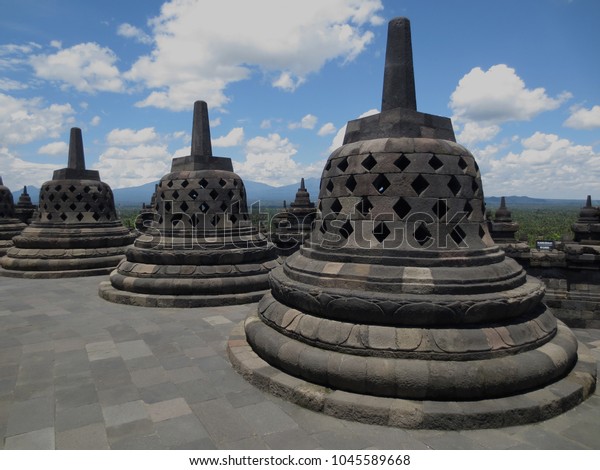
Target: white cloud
x: 7, y: 84
x: 26, y: 120
x: 307, y: 122
x: 199, y: 51
x: 233, y: 138
x: 499, y: 95
x: 133, y: 166
x: 13, y: 56
x: 270, y: 160
x: 582, y: 118
x: 473, y: 132
x: 56, y: 44
x: 87, y: 67
x: 95, y: 121
x: 265, y: 124
x: 130, y: 137
x: 129, y: 31
x: 326, y: 129
x: 54, y: 148
x: 17, y: 172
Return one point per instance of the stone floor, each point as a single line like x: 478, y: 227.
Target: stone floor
x: 77, y: 372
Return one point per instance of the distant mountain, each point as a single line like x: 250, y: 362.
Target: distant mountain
x: 493, y: 202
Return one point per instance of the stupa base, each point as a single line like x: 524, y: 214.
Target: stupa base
x: 56, y: 274
x: 529, y: 407
x: 108, y: 292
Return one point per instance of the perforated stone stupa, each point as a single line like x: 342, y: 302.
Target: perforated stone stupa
x: 203, y: 249
x: 294, y: 224
x: 586, y: 229
x: 399, y: 309
x: 24, y: 209
x: 10, y: 225
x: 76, y: 232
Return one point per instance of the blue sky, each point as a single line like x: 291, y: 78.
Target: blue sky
x: 520, y: 80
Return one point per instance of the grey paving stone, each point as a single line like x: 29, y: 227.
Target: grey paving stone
x: 201, y: 444
x: 222, y: 421
x: 585, y: 434
x: 118, y: 395
x: 245, y: 397
x: 117, y: 415
x: 133, y: 349
x: 134, y: 429
x: 341, y: 439
x: 181, y: 430
x: 545, y: 440
x: 76, y: 396
x: 252, y: 443
x: 89, y: 437
x: 150, y: 442
x: 296, y: 439
x: 40, y: 439
x: 196, y: 391
x: 75, y: 417
x: 266, y: 418
x: 159, y: 392
x: 151, y: 376
x: 453, y: 441
x: 168, y: 409
x: 30, y: 415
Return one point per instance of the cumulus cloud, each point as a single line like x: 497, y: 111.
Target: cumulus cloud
x: 7, y: 84
x: 292, y: 41
x: 338, y: 139
x: 54, y: 148
x: 542, y: 158
x: 129, y: 31
x: 582, y: 118
x: 307, y: 122
x: 473, y: 132
x: 13, y: 56
x: 233, y: 138
x: 133, y: 166
x: 326, y: 129
x: 87, y: 67
x: 95, y: 121
x: 26, y: 120
x: 17, y: 172
x: 499, y: 95
x: 130, y: 137
x: 270, y: 160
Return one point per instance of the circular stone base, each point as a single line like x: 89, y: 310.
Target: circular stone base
x: 108, y: 292
x: 56, y: 274
x: 530, y: 407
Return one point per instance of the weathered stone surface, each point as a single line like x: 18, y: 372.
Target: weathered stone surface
x: 10, y: 224
x: 198, y: 247
x: 401, y: 260
x: 76, y: 230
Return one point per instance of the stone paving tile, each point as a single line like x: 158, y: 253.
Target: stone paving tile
x: 124, y: 413
x: 147, y: 377
x: 296, y: 439
x: 101, y: 350
x: 252, y: 443
x: 30, y: 415
x: 159, y: 392
x: 150, y: 442
x: 76, y: 396
x: 222, y: 422
x: 75, y: 417
x: 168, y: 409
x: 267, y: 418
x: 118, y: 395
x: 181, y: 430
x: 89, y: 437
x: 133, y: 349
x: 41, y: 439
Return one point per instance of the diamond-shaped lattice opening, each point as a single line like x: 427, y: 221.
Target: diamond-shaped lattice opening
x: 73, y: 206
x: 336, y: 206
x: 364, y: 206
x: 235, y: 182
x: 49, y: 216
x: 482, y: 207
x: 329, y: 186
x: 351, y: 183
x: 184, y: 206
x: 99, y: 188
x: 96, y: 216
x: 328, y: 165
x: 94, y: 197
x: 323, y: 228
x: 184, y: 183
x: 440, y: 208
x: 213, y: 194
x: 64, y: 197
x: 87, y: 189
x: 422, y: 234
x: 420, y: 184
x: 230, y: 194
x: 45, y: 206
x: 47, y: 188
x: 79, y: 197
x: 468, y: 209
x: 462, y: 164
x: 381, y: 232
x: 102, y: 207
x: 170, y: 184
x: 458, y: 235
x: 204, y: 207
x: 435, y: 163
x: 193, y: 194
x: 79, y: 216
x: 481, y: 232
x: 343, y: 165
x: 224, y: 206
x: 381, y: 183
x: 474, y: 186
x: 402, y: 162
x: 168, y: 206
x: 402, y: 208
x: 175, y: 219
x: 233, y: 218
x: 175, y: 195
x: 346, y: 229
x: 454, y: 185
x: 108, y: 216
x: 57, y: 206
x: 369, y: 162
x: 222, y: 182
x: 51, y: 197
x: 162, y: 195
x: 58, y: 187
x: 63, y: 216
x: 476, y: 166
x: 215, y: 220
x: 194, y: 220
x: 203, y: 183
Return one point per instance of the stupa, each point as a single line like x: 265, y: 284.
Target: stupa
x: 503, y: 230
x: 294, y: 224
x: 586, y: 229
x: 10, y: 225
x: 76, y: 232
x: 203, y: 249
x: 399, y: 309
x: 24, y: 208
